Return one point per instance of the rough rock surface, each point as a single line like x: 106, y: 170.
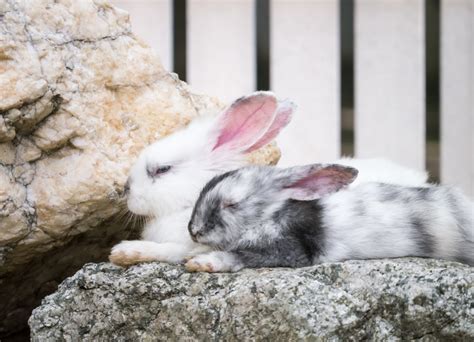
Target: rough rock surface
x: 80, y: 96
x: 356, y: 300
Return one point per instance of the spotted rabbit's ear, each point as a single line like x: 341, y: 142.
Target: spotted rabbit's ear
x: 310, y: 182
x: 245, y: 122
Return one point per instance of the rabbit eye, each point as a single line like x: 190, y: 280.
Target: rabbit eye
x: 156, y: 171
x: 228, y: 205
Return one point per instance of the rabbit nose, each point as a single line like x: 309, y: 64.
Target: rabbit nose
x: 126, y: 187
x: 193, y: 232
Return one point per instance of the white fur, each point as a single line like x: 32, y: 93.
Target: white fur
x: 385, y: 229
x: 188, y: 152
x: 384, y: 171
x: 150, y: 250
x: 352, y: 236
x: 169, y: 199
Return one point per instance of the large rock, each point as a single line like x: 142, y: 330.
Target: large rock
x: 356, y: 300
x: 79, y: 98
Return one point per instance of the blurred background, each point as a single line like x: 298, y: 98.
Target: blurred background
x: 371, y: 78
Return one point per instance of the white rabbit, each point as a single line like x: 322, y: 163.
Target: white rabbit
x: 166, y: 179
x: 384, y: 171
x: 263, y: 216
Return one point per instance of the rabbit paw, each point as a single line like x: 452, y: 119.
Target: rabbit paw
x: 201, y: 263
x: 212, y: 262
x: 129, y: 253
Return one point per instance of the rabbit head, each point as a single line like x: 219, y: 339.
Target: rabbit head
x: 169, y: 174
x: 246, y: 207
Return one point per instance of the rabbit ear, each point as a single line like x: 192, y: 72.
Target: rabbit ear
x: 245, y: 122
x: 310, y: 182
x: 282, y: 118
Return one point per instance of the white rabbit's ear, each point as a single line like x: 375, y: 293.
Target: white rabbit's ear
x: 245, y: 122
x: 310, y: 182
x: 282, y: 118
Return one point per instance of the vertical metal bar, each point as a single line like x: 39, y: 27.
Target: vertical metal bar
x: 346, y: 22
x: 179, y: 38
x: 432, y: 38
x: 262, y: 11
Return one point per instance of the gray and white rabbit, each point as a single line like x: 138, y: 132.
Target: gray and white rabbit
x: 305, y: 215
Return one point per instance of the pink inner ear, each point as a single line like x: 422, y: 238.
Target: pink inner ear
x: 322, y: 181
x: 246, y: 121
x: 282, y: 118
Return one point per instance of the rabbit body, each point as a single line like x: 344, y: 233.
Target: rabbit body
x: 376, y: 220
x: 268, y: 217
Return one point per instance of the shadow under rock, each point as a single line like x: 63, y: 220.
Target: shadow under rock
x: 21, y: 291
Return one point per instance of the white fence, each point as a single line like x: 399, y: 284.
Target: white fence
x: 389, y: 68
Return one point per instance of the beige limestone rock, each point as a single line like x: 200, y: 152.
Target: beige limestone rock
x: 7, y: 154
x: 27, y: 151
x: 80, y: 97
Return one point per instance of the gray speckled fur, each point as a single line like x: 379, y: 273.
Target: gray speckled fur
x: 263, y: 226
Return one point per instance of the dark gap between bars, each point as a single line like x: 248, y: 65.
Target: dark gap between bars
x: 179, y: 38
x: 262, y: 35
x: 432, y: 83
x: 346, y: 31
